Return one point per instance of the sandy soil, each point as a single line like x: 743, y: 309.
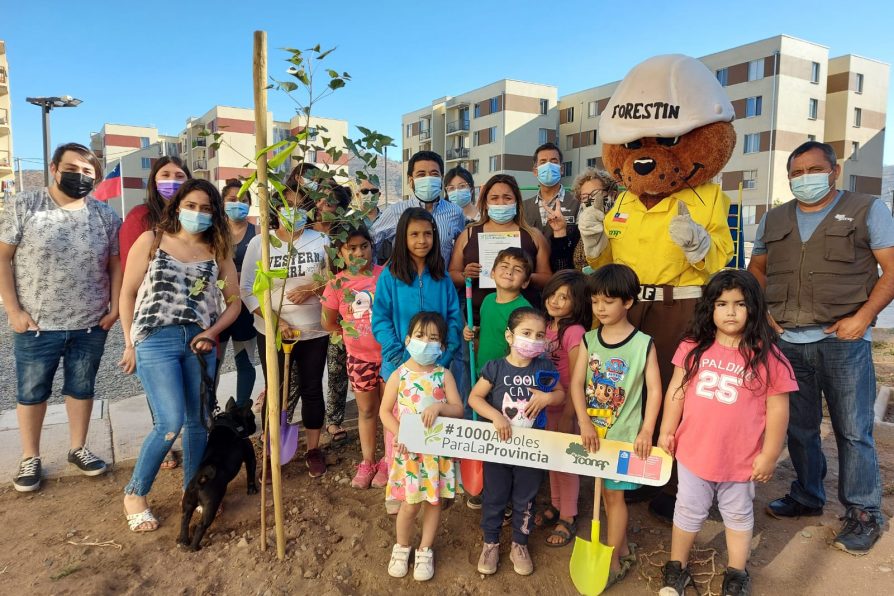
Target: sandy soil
x: 72, y: 538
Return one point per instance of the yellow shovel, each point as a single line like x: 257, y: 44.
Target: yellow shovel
x: 591, y: 560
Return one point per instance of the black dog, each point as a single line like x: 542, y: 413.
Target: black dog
x: 228, y: 446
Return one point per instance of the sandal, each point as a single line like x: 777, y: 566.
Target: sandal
x: 630, y: 559
x: 170, y: 461
x: 627, y: 562
x: 339, y: 436
x: 548, y: 516
x: 564, y: 530
x: 135, y: 520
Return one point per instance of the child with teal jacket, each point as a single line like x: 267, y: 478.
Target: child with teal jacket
x: 415, y: 280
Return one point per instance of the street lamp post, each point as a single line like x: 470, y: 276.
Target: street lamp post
x: 46, y: 104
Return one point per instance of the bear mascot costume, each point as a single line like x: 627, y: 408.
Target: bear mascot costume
x: 666, y: 133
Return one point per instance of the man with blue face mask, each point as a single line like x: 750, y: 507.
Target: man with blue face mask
x: 818, y: 258
x: 425, y: 170
x: 551, y: 205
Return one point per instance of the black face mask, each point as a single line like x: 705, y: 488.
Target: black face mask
x: 75, y: 184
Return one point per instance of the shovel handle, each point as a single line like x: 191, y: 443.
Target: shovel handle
x: 597, y: 501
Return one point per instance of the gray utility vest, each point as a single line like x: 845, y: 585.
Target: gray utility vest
x: 826, y: 278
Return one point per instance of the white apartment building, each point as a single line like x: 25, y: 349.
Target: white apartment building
x: 7, y: 182
x: 784, y: 91
x: 490, y: 130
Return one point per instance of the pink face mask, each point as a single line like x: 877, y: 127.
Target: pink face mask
x: 528, y: 348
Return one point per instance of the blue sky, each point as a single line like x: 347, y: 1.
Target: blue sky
x: 151, y: 63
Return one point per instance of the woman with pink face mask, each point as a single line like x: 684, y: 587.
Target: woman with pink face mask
x: 168, y: 173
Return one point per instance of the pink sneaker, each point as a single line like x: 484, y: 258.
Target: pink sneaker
x: 381, y: 477
x: 365, y: 472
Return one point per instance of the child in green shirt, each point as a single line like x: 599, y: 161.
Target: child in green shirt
x: 511, y: 273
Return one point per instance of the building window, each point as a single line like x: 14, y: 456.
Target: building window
x: 749, y: 214
x: 569, y: 141
x: 811, y: 137
x: 592, y: 109
x: 473, y: 166
x: 859, y: 83
x: 756, y: 70
x: 812, y: 108
x: 492, y: 163
x: 591, y: 162
x: 146, y: 163
x: 752, y: 143
x: 494, y: 104
x: 858, y: 117
x: 753, y: 106
x: 855, y: 150
x: 409, y: 130
x: 588, y: 137
x: 749, y: 179
x: 566, y: 168
x: 814, y: 72
x: 569, y: 114
x: 477, y: 110
x: 723, y: 76
x: 144, y: 142
x: 544, y: 106
x: 542, y: 136
x: 852, y: 183
x: 311, y: 156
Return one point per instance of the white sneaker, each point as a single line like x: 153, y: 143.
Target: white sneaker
x: 398, y: 566
x: 424, y: 566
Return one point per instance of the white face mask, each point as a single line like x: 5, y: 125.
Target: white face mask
x: 811, y: 188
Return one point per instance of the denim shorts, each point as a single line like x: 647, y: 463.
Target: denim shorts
x: 37, y: 355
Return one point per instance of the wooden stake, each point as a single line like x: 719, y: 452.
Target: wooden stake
x: 260, y: 89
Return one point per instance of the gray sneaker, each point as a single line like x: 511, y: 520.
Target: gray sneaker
x: 521, y: 559
x: 86, y: 462
x: 490, y: 557
x: 28, y: 478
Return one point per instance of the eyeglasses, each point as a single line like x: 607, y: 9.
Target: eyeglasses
x: 451, y: 188
x: 367, y: 191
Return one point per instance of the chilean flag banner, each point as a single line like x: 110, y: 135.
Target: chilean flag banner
x: 111, y: 186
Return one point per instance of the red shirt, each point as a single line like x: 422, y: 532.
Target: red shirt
x: 724, y: 418
x: 134, y: 225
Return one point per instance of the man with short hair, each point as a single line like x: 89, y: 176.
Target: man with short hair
x: 425, y: 171
x: 818, y: 258
x: 60, y: 276
x: 546, y: 210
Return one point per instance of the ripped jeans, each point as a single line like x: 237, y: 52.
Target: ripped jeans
x: 171, y: 376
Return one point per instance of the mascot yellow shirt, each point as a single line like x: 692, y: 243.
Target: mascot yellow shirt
x: 639, y: 238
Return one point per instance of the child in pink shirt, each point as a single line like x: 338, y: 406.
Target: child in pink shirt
x: 347, y: 307
x: 566, y: 299
x: 730, y: 388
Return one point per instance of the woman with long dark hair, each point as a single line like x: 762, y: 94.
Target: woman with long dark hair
x: 171, y: 311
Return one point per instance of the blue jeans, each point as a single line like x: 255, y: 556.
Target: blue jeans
x: 844, y: 373
x: 38, y: 353
x: 171, y: 376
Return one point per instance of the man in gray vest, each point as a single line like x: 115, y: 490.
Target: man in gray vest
x: 818, y: 259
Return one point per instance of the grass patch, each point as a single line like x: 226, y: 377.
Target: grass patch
x: 66, y: 571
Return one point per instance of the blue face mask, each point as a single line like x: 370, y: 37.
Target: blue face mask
x: 424, y: 352
x: 236, y: 210
x: 460, y: 197
x: 297, y: 217
x: 194, y: 222
x: 502, y: 213
x: 811, y: 188
x: 549, y: 173
x: 427, y: 189
x: 167, y: 188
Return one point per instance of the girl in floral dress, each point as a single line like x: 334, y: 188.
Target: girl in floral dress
x: 419, y: 386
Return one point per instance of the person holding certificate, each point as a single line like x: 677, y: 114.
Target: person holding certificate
x: 501, y: 225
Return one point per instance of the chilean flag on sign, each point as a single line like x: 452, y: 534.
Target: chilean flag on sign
x: 111, y: 186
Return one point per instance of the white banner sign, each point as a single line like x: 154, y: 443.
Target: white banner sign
x: 468, y: 439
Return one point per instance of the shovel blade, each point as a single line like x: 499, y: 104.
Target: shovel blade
x: 590, y: 563
x: 472, y: 472
x: 288, y: 442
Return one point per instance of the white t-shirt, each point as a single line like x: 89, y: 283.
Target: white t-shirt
x: 308, y: 258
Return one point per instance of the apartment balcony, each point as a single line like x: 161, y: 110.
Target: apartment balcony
x: 458, y: 153
x: 4, y: 122
x: 200, y: 165
x: 458, y: 126
x: 200, y: 142
x: 424, y: 134
x: 4, y: 81
x: 5, y: 163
